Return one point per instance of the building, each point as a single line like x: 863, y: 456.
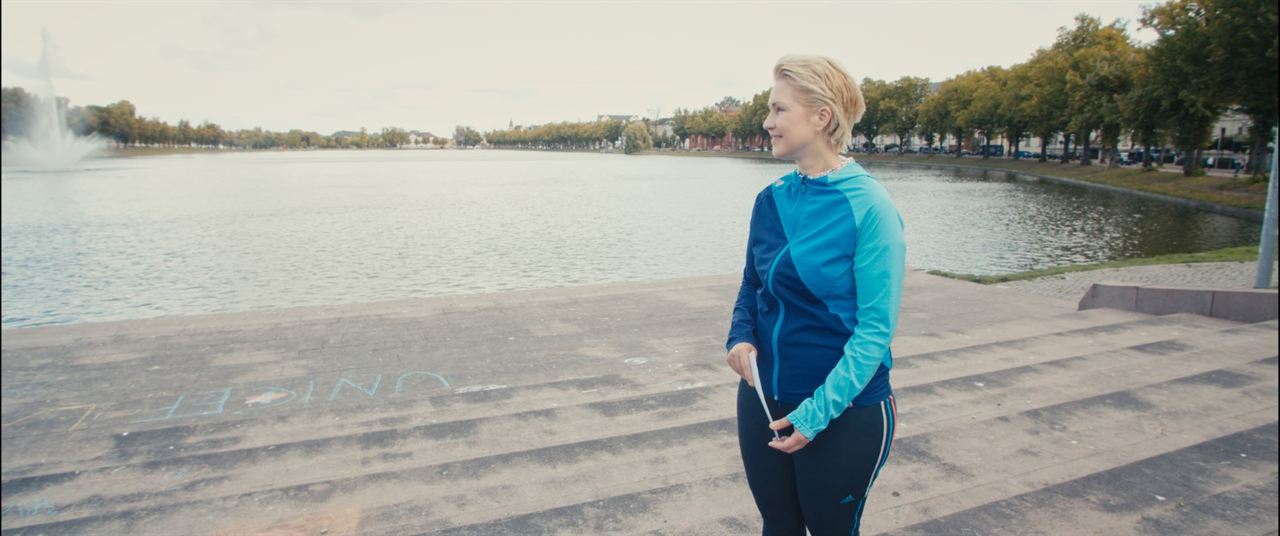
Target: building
x: 623, y: 118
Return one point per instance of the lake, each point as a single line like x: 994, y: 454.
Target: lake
x: 123, y: 238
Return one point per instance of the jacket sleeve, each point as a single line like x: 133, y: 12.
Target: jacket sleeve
x: 879, y: 266
x: 743, y: 326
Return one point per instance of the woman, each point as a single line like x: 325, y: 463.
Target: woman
x: 818, y: 306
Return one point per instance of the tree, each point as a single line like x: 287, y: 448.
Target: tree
x: 119, y: 122
x: 1192, y: 98
x: 749, y: 122
x: 1017, y: 94
x: 394, y: 137
x: 874, y: 118
x: 680, y: 124
x: 17, y: 107
x: 728, y: 102
x: 1046, y: 97
x: 902, y: 101
x: 1143, y: 107
x: 1242, y: 54
x: 1096, y: 61
x: 635, y: 138
x: 983, y: 112
x: 943, y: 110
x: 465, y: 136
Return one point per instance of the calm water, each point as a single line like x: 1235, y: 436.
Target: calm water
x: 142, y: 237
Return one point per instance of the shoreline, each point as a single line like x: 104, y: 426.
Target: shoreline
x: 1233, y: 254
x: 1154, y: 185
x: 1229, y: 196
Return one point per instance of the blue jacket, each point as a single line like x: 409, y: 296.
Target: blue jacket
x: 820, y: 293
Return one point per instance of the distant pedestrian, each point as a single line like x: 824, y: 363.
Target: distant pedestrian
x: 1235, y: 164
x: 816, y: 312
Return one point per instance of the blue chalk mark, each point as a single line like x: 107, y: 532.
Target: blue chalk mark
x: 34, y: 507
x: 311, y: 386
x: 172, y: 409
x: 222, y: 404
x: 338, y: 387
x: 400, y: 380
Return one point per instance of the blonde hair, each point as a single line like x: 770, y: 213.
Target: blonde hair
x: 821, y: 81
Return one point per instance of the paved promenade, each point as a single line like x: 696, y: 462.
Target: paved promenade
x: 1218, y: 275
x: 608, y: 409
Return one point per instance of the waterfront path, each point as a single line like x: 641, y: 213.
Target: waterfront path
x: 1216, y: 275
x: 608, y: 409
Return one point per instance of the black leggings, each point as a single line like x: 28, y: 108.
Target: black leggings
x: 822, y: 486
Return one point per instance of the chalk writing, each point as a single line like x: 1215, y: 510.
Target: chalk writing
x: 261, y: 397
x: 235, y: 400
x: 31, y: 508
x: 370, y: 391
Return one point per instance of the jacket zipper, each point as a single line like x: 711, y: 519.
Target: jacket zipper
x: 782, y: 313
x: 782, y: 307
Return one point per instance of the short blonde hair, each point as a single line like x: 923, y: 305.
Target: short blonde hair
x: 821, y: 81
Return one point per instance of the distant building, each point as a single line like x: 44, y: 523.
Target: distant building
x: 623, y: 118
x: 664, y: 127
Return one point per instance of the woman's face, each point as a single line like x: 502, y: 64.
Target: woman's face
x: 792, y: 128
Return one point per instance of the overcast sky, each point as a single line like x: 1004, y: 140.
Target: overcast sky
x: 430, y: 66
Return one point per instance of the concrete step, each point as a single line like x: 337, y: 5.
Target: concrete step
x: 218, y: 442
x: 1019, y: 328
x: 97, y: 402
x: 1013, y: 352
x: 289, y: 409
x: 259, y: 422
x: 1226, y: 485
x: 363, y: 483
x: 726, y: 506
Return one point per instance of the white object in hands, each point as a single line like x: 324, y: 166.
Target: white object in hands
x: 755, y: 378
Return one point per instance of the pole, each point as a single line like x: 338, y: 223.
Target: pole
x: 1267, y: 245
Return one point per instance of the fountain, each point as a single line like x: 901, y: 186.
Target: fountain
x: 49, y: 143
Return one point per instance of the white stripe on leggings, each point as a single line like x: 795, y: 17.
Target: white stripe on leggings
x: 884, y: 420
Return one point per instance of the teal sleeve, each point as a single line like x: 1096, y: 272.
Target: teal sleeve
x: 879, y: 266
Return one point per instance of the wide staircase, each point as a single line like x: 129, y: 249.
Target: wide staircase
x: 611, y: 411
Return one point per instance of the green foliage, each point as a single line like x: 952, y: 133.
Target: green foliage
x: 874, y: 92
x: 1193, y: 99
x: 1210, y: 55
x: 636, y: 138
x: 465, y: 136
x: 901, y: 106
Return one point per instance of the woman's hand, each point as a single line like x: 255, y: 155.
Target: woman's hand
x: 739, y: 360
x: 788, y: 444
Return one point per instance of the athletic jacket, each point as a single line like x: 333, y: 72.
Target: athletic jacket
x: 820, y: 293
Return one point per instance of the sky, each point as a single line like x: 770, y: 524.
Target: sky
x: 430, y: 66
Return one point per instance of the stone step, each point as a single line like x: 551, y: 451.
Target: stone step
x: 1002, y: 354
x: 938, y: 472
x: 1021, y: 328
x: 721, y: 504
x: 444, y: 412
x: 143, y: 449
x: 264, y: 421
x: 61, y: 410
x: 1226, y: 485
x: 371, y: 480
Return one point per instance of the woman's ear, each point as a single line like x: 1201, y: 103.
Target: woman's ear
x: 824, y: 118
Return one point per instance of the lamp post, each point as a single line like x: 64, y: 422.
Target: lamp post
x: 1267, y: 245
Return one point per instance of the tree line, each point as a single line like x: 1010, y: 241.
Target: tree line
x: 1093, y: 87
x: 121, y: 124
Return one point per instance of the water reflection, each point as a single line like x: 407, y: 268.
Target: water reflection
x: 142, y: 237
